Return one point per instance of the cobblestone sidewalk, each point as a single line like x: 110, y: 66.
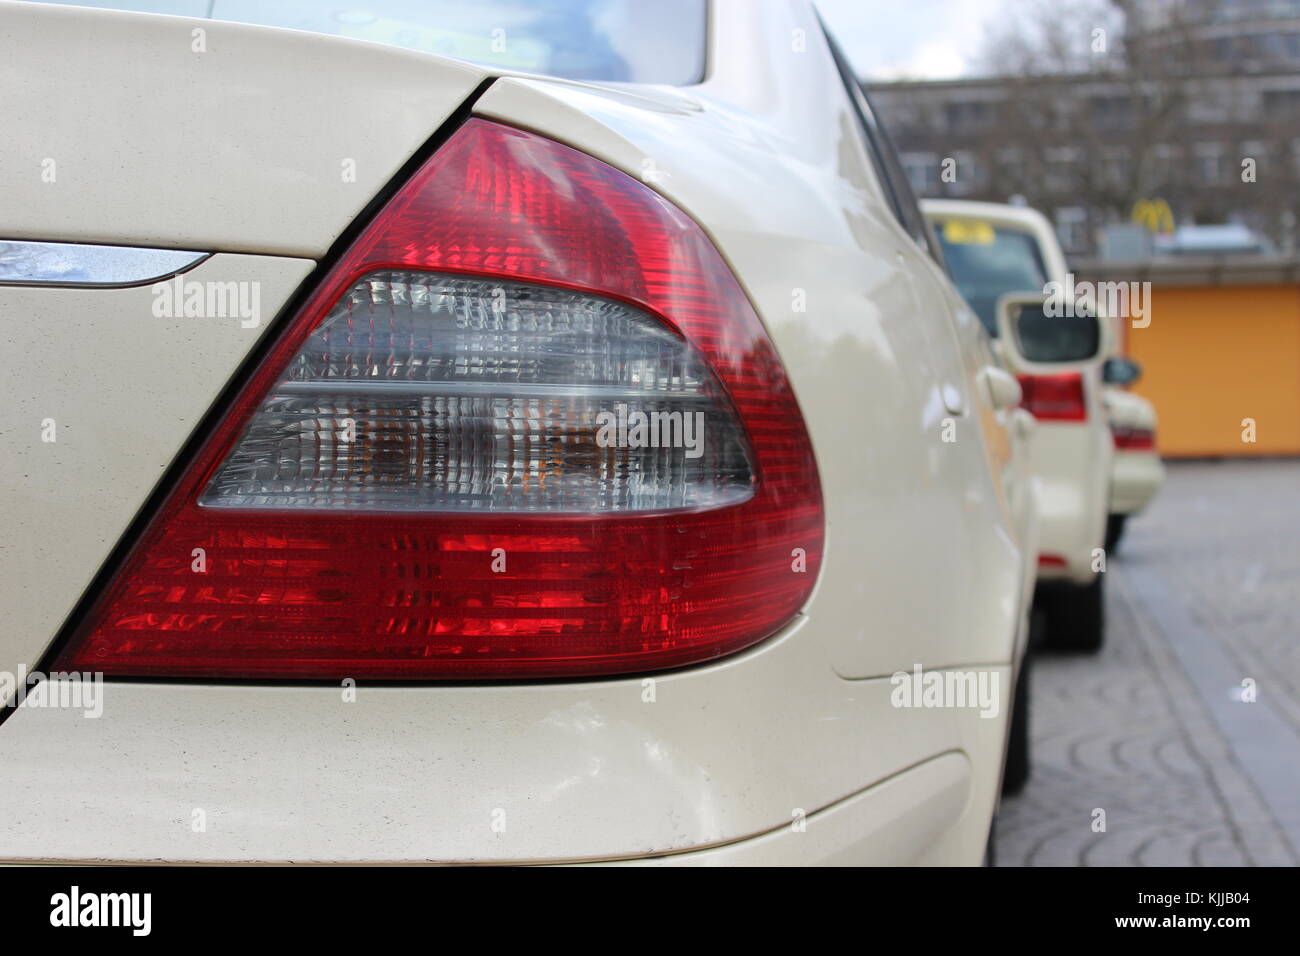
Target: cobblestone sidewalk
x: 1202, y: 593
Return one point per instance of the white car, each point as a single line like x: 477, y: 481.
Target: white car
x: 442, y: 461
x: 993, y: 250
x: 1137, y: 473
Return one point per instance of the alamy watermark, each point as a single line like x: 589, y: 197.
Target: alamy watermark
x: 625, y: 428
x: 976, y: 690
x: 131, y: 911
x: 1070, y: 299
x: 177, y: 298
x: 65, y: 690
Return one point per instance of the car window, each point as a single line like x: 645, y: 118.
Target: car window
x: 889, y: 170
x: 986, y: 262
x: 604, y: 40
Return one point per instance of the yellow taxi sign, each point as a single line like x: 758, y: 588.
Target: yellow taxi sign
x: 968, y: 232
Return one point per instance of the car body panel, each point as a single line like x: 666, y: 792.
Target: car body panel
x: 578, y: 770
x: 119, y: 131
x: 1072, y: 513
x: 881, y: 826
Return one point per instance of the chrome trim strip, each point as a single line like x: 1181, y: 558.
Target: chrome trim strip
x: 78, y: 264
x: 485, y: 389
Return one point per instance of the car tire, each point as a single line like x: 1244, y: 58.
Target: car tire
x: 1114, y: 530
x: 1015, y: 772
x: 1076, y: 617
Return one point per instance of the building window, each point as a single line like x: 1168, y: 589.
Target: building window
x: 1166, y: 159
x: 1011, y: 164
x: 1209, y: 163
x: 1114, y: 112
x: 922, y: 172
x: 967, y: 115
x: 1063, y: 168
x: 1117, y: 166
x: 1281, y: 101
x: 1072, y: 228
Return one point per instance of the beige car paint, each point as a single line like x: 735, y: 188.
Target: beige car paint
x: 118, y: 129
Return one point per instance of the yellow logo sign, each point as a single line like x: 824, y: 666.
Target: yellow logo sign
x: 1155, y: 214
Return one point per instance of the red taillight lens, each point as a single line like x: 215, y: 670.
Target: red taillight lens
x: 413, y: 485
x: 1133, y: 439
x: 1055, y: 397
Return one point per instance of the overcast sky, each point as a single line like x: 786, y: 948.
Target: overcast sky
x: 925, y: 39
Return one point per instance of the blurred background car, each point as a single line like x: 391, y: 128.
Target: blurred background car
x: 992, y: 251
x: 1137, y: 473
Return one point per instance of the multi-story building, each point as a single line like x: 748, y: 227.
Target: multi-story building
x: 1197, y: 108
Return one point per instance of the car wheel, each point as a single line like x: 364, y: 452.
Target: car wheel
x: 1076, y: 617
x: 1115, y: 530
x: 1016, y: 771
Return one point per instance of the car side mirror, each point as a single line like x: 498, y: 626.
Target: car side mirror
x: 1039, y: 331
x: 1118, y: 370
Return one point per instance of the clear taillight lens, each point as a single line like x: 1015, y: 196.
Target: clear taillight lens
x: 412, y: 484
x: 443, y: 393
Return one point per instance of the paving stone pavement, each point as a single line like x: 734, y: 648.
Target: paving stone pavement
x: 1201, y: 594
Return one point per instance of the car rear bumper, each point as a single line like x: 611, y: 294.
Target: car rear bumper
x: 1136, y: 477
x: 900, y: 821
x: 721, y: 762
x: 1071, y: 527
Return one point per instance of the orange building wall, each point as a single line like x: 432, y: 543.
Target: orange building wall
x: 1214, y: 356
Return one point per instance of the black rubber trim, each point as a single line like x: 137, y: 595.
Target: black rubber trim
x: 212, y: 416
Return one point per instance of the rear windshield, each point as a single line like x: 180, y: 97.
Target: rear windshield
x: 986, y: 262
x: 631, y: 41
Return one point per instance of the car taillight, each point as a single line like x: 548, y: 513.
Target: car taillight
x: 528, y: 426
x: 1057, y: 397
x: 1133, y: 439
